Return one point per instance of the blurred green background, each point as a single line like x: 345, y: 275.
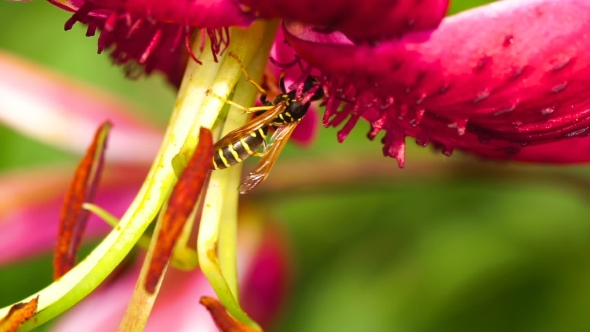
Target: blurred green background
x: 445, y: 244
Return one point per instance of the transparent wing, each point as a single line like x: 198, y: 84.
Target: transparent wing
x: 262, y: 169
x: 251, y: 126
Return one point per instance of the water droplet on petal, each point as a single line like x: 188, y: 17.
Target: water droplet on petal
x: 559, y: 87
x: 418, y: 118
x: 508, y: 40
x: 388, y: 103
x: 561, y: 64
x: 577, y: 132
x: 481, y: 96
x: 395, y: 145
x: 447, y: 151
x: 377, y: 125
x: 420, y: 99
x: 508, y: 109
x: 547, y: 110
x: 460, y: 125
x: 424, y: 138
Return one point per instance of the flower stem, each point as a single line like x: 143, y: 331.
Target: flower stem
x: 218, y: 228
x: 227, y: 246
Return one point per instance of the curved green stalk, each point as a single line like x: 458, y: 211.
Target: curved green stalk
x: 218, y: 230
x: 144, y: 240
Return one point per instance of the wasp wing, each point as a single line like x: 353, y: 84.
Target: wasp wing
x: 260, y: 172
x: 250, y: 127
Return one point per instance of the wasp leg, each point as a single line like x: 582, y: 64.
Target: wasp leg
x: 248, y: 78
x: 210, y: 92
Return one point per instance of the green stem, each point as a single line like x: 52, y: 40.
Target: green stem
x: 228, y: 224
x: 218, y: 230
x: 142, y: 302
x: 144, y: 240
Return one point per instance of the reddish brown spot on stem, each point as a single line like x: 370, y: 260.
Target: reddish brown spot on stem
x: 73, y: 217
x: 182, y: 201
x: 222, y: 318
x: 18, y: 315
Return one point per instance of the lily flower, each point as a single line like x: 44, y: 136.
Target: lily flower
x: 29, y: 212
x: 505, y: 80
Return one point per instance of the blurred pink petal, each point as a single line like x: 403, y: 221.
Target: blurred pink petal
x: 30, y: 203
x: 265, y: 288
x: 177, y: 307
x: 59, y: 111
x: 307, y: 129
x: 492, y: 80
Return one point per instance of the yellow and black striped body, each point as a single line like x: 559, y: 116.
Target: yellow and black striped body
x: 239, y: 144
x: 294, y: 112
x: 229, y: 155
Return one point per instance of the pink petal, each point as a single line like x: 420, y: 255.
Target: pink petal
x: 197, y: 13
x: 63, y: 112
x: 575, y: 150
x: 369, y: 20
x: 266, y: 283
x: 307, y: 129
x: 490, y: 80
x: 153, y: 35
x: 177, y: 307
x: 284, y: 61
x: 31, y: 202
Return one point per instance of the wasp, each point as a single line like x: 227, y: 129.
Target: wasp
x: 283, y: 114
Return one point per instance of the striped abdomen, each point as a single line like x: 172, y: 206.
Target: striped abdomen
x: 231, y: 154
x: 294, y: 112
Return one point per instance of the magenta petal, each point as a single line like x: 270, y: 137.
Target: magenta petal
x: 197, y: 13
x: 571, y: 151
x: 490, y: 80
x: 367, y: 20
x: 154, y: 35
x: 65, y: 113
x: 264, y: 287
